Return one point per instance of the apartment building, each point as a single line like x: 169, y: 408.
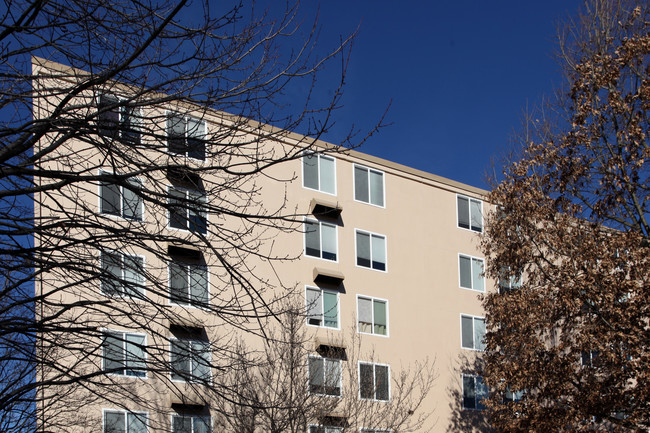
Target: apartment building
x: 383, y: 258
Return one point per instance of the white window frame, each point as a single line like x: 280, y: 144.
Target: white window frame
x: 372, y: 300
x: 471, y: 272
x: 383, y: 185
x: 320, y: 239
x: 121, y: 216
x: 469, y: 205
x: 340, y: 378
x: 121, y: 116
x: 125, y: 413
x: 375, y: 430
x: 122, y: 292
x: 318, y: 164
x: 374, y: 376
x: 188, y: 268
x: 193, y: 417
x: 356, y: 249
x: 322, y: 308
x: 476, y: 393
x: 125, y: 352
x: 187, y: 209
x: 474, y: 336
x: 168, y: 115
x: 325, y: 428
x: 507, y: 284
x: 192, y: 355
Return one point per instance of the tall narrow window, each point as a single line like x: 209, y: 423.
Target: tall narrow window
x: 325, y: 376
x: 123, y: 353
x: 320, y: 240
x: 474, y: 391
x: 190, y: 359
x: 122, y: 274
x: 374, y: 381
x: 186, y: 136
x: 124, y: 201
x: 472, y: 332
x: 470, y: 213
x: 368, y: 185
x: 372, y: 315
x: 471, y: 273
x: 371, y: 250
x: 119, y: 421
x: 191, y: 424
x: 187, y: 210
x: 322, y: 307
x: 319, y: 172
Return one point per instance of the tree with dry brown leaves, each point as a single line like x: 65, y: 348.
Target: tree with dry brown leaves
x: 569, y: 330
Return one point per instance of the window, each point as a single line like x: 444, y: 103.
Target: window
x: 119, y: 421
x: 123, y: 354
x: 507, y: 284
x: 369, y: 186
x: 325, y: 429
x: 320, y: 240
x: 470, y: 213
x: 510, y: 396
x: 374, y: 381
x: 372, y: 314
x: 186, y: 136
x: 190, y: 359
x: 191, y: 424
x: 122, y: 201
x: 471, y: 270
x: 371, y: 250
x: 122, y: 274
x: 474, y: 391
x: 325, y: 376
x: 589, y: 358
x: 319, y: 172
x: 118, y: 120
x: 322, y: 307
x: 187, y: 210
x: 188, y: 283
x: 472, y: 332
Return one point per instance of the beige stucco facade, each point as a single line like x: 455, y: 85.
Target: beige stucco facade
x: 420, y: 286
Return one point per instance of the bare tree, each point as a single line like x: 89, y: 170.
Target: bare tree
x: 128, y: 194
x: 567, y: 346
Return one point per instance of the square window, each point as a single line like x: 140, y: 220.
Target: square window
x: 187, y: 210
x: 118, y: 120
x: 320, y: 240
x: 186, y: 136
x: 322, y: 307
x: 191, y: 424
x: 372, y: 315
x: 470, y: 213
x: 470, y: 271
x: 122, y: 274
x: 119, y: 421
x: 123, y: 201
x: 190, y: 360
x: 124, y: 354
x: 325, y: 376
x: 319, y: 172
x: 368, y: 186
x: 472, y: 332
x: 474, y: 391
x: 374, y: 380
x: 371, y: 250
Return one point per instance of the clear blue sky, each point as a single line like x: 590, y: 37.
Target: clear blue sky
x: 459, y: 75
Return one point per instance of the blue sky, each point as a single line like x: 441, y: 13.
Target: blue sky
x: 459, y: 75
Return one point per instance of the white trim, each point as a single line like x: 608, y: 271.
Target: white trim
x: 338, y: 308
x: 320, y: 239
x: 125, y: 412
x: 469, y: 204
x: 383, y: 183
x: 145, y: 344
x: 187, y: 210
x: 373, y: 380
x: 471, y: 275
x: 122, y: 294
x: 473, y: 317
x: 319, y: 156
x: 169, y: 286
x: 462, y: 393
x: 185, y: 116
x: 179, y: 415
x: 371, y: 234
x: 119, y: 217
x: 372, y: 299
x: 120, y: 112
x: 340, y: 382
x: 191, y: 358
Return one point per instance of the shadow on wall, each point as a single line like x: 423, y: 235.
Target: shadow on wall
x: 464, y: 419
